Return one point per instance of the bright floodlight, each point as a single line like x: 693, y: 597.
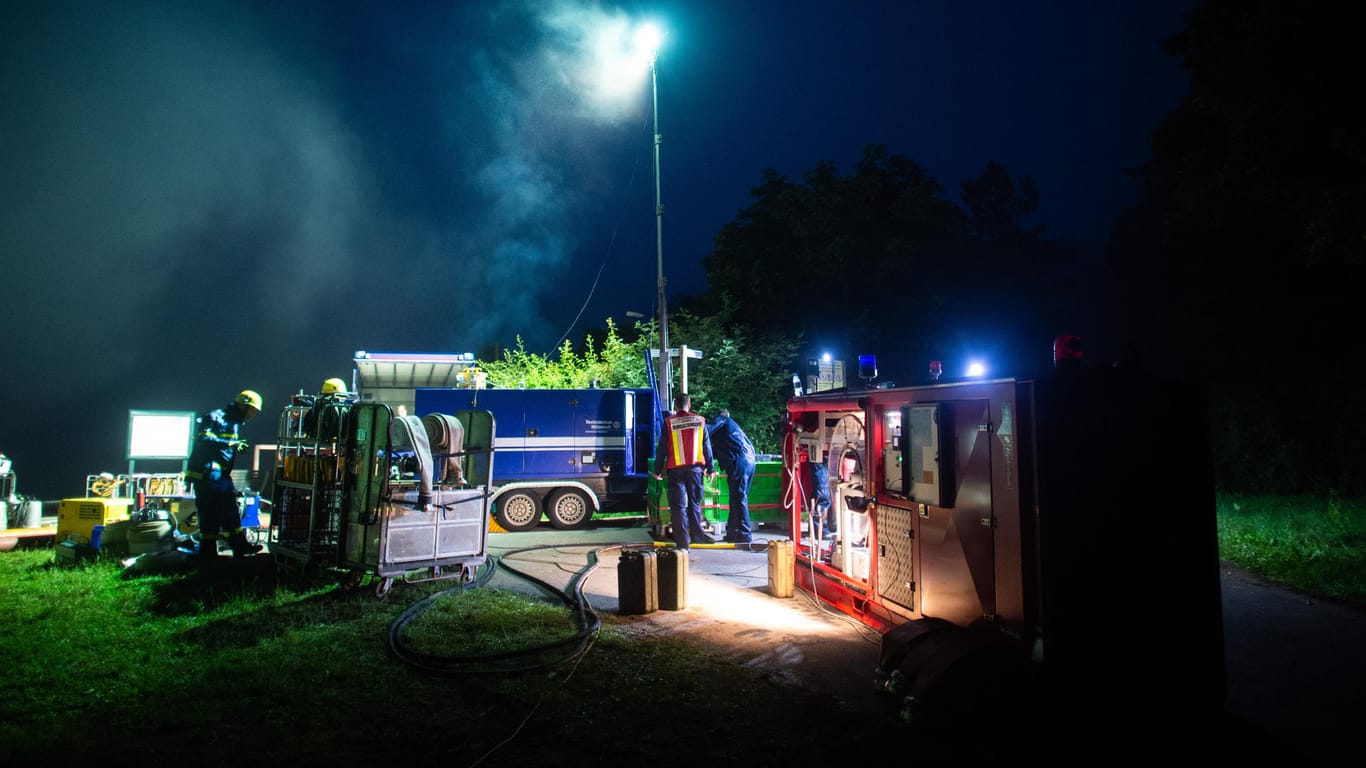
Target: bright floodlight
x: 826, y: 357
x: 976, y: 369
x: 621, y: 56
x: 648, y: 38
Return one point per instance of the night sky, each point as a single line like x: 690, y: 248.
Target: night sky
x: 196, y: 198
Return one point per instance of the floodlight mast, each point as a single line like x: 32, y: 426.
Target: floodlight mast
x: 665, y: 369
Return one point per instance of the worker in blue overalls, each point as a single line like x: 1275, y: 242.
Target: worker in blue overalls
x: 217, y: 442
x: 735, y: 454
x: 684, y: 454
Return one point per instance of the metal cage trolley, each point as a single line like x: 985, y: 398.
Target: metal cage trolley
x: 307, y: 499
x: 416, y: 496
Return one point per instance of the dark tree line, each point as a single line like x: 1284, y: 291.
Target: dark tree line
x: 1238, y: 270
x: 881, y: 262
x: 1242, y: 264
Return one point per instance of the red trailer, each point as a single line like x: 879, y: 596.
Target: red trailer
x: 1066, y: 522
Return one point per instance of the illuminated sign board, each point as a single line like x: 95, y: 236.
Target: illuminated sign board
x: 160, y: 434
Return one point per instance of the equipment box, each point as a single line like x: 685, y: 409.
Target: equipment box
x: 78, y: 517
x: 765, y: 498
x: 450, y: 529
x: 71, y: 553
x: 250, y: 509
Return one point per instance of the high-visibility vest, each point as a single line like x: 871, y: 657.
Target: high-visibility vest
x: 685, y: 432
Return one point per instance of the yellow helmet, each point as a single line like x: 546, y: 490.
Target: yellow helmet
x: 249, y: 397
x: 334, y: 387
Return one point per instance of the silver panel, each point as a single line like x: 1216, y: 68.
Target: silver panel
x: 896, y: 555
x: 451, y: 526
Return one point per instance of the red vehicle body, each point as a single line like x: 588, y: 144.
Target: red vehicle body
x: 1069, y: 518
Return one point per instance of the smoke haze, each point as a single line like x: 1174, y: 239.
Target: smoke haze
x: 204, y: 197
x: 197, y: 198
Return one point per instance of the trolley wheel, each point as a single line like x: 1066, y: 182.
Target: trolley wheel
x: 467, y: 574
x: 518, y: 510
x: 382, y: 588
x: 569, y: 509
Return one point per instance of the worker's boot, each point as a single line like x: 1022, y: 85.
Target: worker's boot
x: 208, y: 547
x: 240, y: 546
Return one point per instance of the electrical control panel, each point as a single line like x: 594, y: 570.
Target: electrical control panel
x: 927, y: 464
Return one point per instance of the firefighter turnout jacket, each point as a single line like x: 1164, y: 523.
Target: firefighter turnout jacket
x: 217, y: 442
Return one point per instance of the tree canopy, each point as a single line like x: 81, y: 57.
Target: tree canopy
x: 740, y: 371
x: 1237, y: 267
x: 881, y: 262
x: 877, y: 261
x: 1241, y: 261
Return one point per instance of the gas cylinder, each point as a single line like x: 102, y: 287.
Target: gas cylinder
x: 33, y: 514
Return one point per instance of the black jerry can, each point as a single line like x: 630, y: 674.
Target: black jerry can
x: 638, y: 582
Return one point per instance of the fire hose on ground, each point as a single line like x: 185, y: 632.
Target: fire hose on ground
x: 520, y: 660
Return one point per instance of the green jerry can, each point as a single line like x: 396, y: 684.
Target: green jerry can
x: 673, y: 579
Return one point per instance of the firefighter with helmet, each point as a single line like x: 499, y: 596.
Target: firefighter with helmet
x: 217, y: 443
x: 329, y: 410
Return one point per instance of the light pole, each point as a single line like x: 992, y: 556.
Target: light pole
x: 651, y: 37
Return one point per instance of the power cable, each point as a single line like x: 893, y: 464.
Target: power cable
x: 586, y: 301
x: 530, y: 713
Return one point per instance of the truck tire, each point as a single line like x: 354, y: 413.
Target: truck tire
x: 569, y: 509
x: 518, y: 510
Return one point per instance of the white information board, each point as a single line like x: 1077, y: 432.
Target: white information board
x: 160, y: 434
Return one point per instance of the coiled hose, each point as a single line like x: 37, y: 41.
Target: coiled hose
x: 521, y: 660
x: 104, y: 485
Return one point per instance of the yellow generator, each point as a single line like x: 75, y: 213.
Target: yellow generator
x: 77, y: 518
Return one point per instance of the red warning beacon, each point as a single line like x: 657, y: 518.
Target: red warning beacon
x: 1067, y: 351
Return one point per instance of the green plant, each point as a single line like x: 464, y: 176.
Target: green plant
x: 745, y: 373
x: 617, y: 363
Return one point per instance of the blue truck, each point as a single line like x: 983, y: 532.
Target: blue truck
x: 561, y: 454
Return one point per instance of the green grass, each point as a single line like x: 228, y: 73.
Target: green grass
x: 239, y: 666
x: 1314, y: 544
